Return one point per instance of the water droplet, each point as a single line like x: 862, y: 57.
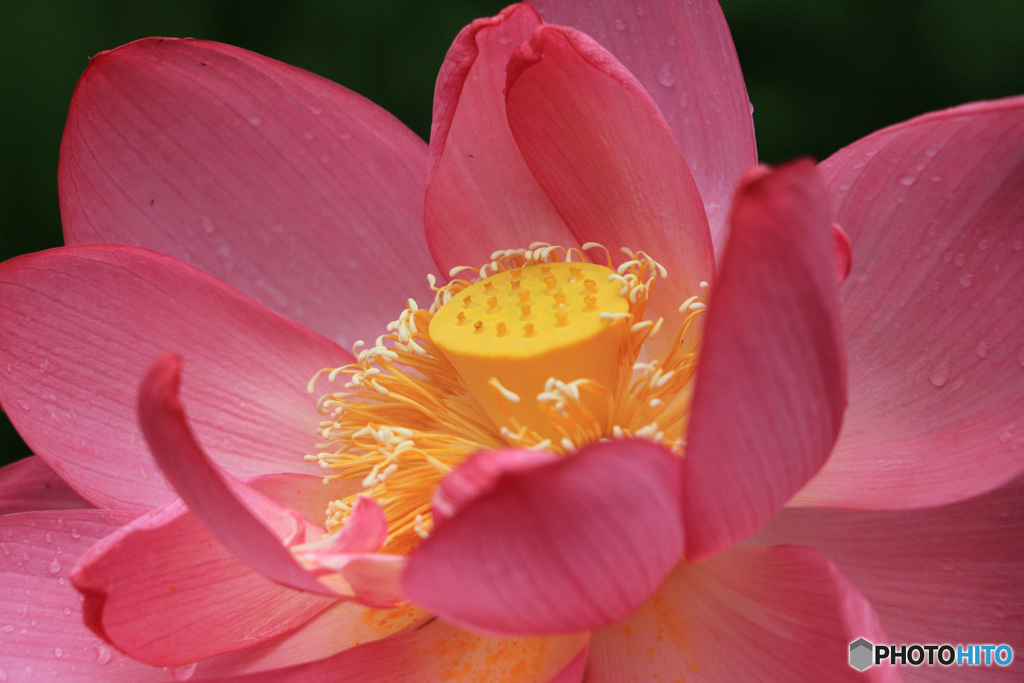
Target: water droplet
x: 48, y: 538
x: 967, y: 279
x: 947, y: 256
x: 24, y: 405
x: 58, y: 652
x: 620, y: 25
x: 8, y: 628
x: 640, y: 9
x: 930, y: 152
x: 59, y: 524
x: 670, y: 40
x: 67, y: 611
x: 208, y: 227
x: 1018, y: 245
x: 981, y: 349
x: 6, y: 551
x: 940, y: 375
x: 1006, y: 437
x: 1020, y: 357
x: 183, y: 672
x: 44, y: 365
x: 103, y: 654
x: 75, y: 533
x: 935, y: 178
x: 255, y: 120
x: 983, y: 244
x: 315, y: 109
x: 54, y: 567
x: 684, y: 100
x: 665, y: 75
x: 309, y: 135
x: 908, y: 180
x: 345, y: 136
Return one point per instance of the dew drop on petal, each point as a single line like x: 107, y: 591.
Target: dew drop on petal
x: 103, y: 654
x: 183, y: 672
x: 907, y: 180
x: 940, y: 375
x: 982, y: 349
x: 54, y: 567
x: 665, y: 75
x: 966, y: 279
x: 255, y: 120
x: 24, y: 405
x: 960, y: 259
x: 620, y: 25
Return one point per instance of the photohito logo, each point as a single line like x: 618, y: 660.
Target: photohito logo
x: 864, y: 653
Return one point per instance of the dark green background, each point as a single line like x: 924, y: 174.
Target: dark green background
x: 821, y: 73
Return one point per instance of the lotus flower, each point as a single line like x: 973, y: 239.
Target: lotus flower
x: 779, y: 466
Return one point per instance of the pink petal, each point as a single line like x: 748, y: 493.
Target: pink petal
x: 29, y: 484
x: 254, y: 527
x: 771, y: 388
x: 342, y: 626
x: 81, y: 326
x: 949, y: 574
x: 438, y: 652
x: 934, y: 310
x: 291, y: 188
x: 750, y: 614
x: 597, y: 144
x: 481, y: 197
x: 479, y: 475
x: 565, y: 547
x: 164, y: 591
x: 683, y: 54
x: 44, y: 637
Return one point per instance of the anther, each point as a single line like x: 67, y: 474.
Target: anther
x: 550, y: 282
x: 524, y: 296
x: 591, y: 302
x: 492, y: 304
x: 560, y: 300
x: 574, y: 274
x: 461, y: 317
x: 489, y: 288
x: 478, y: 325
x: 528, y: 329
x: 545, y: 270
x: 467, y: 302
x: 516, y: 284
x: 561, y: 318
x: 590, y: 286
x: 502, y: 329
x: 526, y: 311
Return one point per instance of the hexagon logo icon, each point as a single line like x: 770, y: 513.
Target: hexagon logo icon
x: 860, y: 654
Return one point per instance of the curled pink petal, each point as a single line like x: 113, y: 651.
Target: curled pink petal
x: 600, y: 148
x: 787, y: 608
x: 558, y: 548
x: 933, y: 310
x: 259, y: 173
x: 81, y: 327
x: 164, y: 591
x: 480, y: 195
x: 29, y: 484
x: 683, y: 54
x: 948, y: 574
x: 479, y: 474
x: 44, y: 637
x: 249, y: 524
x: 770, y: 388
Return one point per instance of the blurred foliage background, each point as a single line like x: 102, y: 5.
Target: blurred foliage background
x: 820, y: 74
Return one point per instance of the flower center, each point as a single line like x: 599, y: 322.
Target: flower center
x: 540, y: 348
x: 508, y: 334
